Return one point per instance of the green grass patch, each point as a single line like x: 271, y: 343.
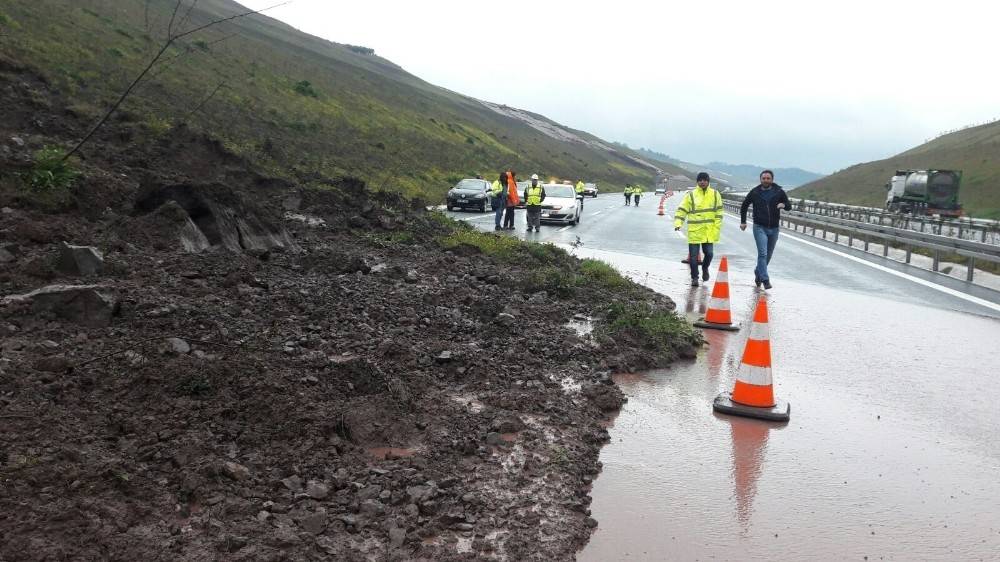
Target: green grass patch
x: 659, y: 328
x: 601, y: 274
x: 305, y: 88
x: 51, y: 171
x: 504, y: 248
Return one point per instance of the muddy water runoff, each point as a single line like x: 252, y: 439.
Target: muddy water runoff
x: 892, y: 451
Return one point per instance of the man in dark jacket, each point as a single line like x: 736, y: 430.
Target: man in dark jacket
x: 767, y: 199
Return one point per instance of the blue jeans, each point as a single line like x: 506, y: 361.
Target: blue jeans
x: 766, y: 239
x: 706, y: 259
x: 497, y: 211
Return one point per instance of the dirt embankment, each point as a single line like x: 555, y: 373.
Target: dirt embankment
x: 252, y: 370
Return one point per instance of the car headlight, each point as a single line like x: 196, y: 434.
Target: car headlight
x: 480, y: 196
x: 556, y: 207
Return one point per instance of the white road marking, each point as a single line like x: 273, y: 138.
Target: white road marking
x: 917, y: 280
x: 475, y: 218
x: 564, y: 228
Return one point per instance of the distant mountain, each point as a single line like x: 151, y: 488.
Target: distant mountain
x: 749, y: 174
x: 975, y: 151
x: 736, y: 175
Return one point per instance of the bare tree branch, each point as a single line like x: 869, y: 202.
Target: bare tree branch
x: 204, y: 101
x: 170, y: 26
x: 164, y: 65
x: 166, y: 45
x: 187, y: 14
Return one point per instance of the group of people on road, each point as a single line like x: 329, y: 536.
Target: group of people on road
x: 632, y: 192
x: 702, y: 209
x: 506, y: 200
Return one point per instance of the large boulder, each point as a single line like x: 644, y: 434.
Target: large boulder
x: 79, y: 260
x: 89, y: 305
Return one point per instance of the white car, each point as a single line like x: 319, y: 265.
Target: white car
x: 561, y: 204
x: 661, y: 191
x: 590, y: 189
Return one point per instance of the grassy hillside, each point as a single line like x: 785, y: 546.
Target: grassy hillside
x: 975, y: 151
x: 295, y: 104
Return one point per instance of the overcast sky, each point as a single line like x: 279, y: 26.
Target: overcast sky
x: 772, y: 83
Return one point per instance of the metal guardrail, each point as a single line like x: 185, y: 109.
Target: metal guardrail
x: 980, y: 230
x: 910, y: 239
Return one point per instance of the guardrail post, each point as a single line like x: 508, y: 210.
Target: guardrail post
x: 937, y: 260
x: 866, y: 243
x: 850, y: 240
x: 885, y: 248
x: 959, y: 230
x: 972, y: 267
x: 909, y: 253
x: 836, y: 237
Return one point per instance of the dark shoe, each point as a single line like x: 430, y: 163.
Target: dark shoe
x: 694, y: 281
x: 496, y: 228
x: 757, y: 281
x: 767, y: 284
x: 704, y: 275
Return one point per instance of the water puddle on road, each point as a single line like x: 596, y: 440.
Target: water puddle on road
x: 891, y: 451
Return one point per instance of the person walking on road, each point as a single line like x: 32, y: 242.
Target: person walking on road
x: 579, y: 192
x: 534, y: 194
x: 636, y: 193
x: 498, y: 192
x: 628, y: 194
x: 511, y: 201
x: 767, y: 199
x: 702, y: 209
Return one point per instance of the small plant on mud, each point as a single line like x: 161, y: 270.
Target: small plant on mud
x: 553, y: 280
x: 196, y: 385
x: 559, y: 455
x: 51, y: 171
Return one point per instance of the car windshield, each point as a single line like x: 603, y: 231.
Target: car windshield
x: 557, y: 190
x: 476, y: 185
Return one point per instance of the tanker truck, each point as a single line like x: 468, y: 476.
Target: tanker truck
x: 924, y: 192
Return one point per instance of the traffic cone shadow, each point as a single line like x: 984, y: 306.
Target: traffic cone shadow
x: 749, y: 447
x: 753, y: 392
x: 718, y: 316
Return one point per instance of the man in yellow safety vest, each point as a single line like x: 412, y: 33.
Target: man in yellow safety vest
x: 702, y: 208
x: 534, y: 194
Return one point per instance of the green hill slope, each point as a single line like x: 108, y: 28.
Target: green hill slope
x: 294, y: 104
x: 975, y: 151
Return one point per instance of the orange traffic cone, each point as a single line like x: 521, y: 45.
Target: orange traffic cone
x: 753, y: 393
x: 718, y: 317
x: 660, y: 210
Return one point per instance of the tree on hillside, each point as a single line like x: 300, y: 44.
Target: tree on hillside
x: 173, y: 35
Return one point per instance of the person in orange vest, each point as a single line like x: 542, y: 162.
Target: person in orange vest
x: 512, y: 201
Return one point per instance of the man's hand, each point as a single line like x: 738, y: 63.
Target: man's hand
x: 743, y: 226
x: 781, y: 205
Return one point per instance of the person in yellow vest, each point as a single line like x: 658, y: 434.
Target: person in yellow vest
x: 702, y: 209
x: 628, y: 194
x: 534, y: 194
x: 636, y: 194
x: 579, y: 193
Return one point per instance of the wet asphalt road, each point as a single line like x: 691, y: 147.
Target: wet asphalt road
x: 892, y: 449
